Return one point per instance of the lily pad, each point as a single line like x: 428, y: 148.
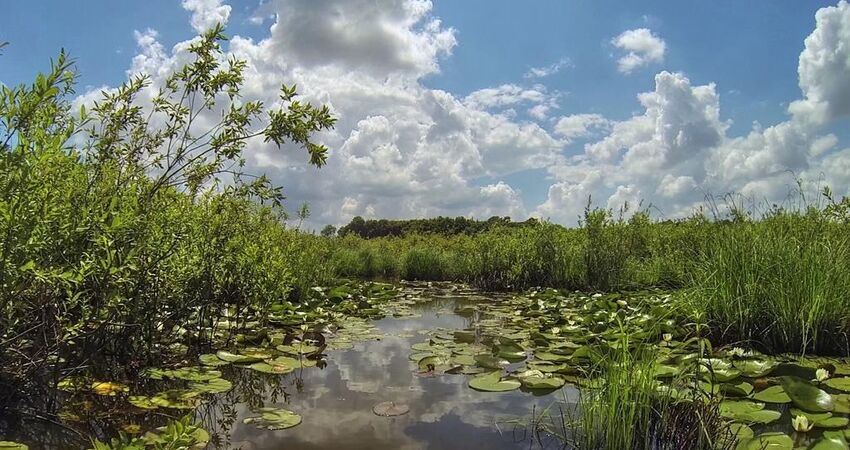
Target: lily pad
x: 8, y: 445
x: 748, y: 412
x: 390, y: 409
x: 273, y: 419
x: 212, y: 360
x: 841, y: 383
x: 767, y: 441
x: 236, y: 358
x: 772, y: 394
x: 108, y: 388
x: 807, y: 396
x: 216, y: 386
x: 493, y: 382
x: 270, y: 368
x: 543, y: 383
x: 830, y: 442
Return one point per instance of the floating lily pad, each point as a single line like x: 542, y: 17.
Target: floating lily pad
x: 273, y: 419
x: 108, y: 388
x: 212, y: 360
x: 143, y: 402
x: 216, y: 386
x: 832, y: 423
x: 754, y: 368
x: 236, y: 358
x: 390, y: 409
x: 767, y: 441
x: 831, y: 442
x: 807, y: 396
x: 841, y: 384
x: 748, y: 412
x: 543, y: 383
x: 490, y: 361
x: 269, y: 368
x: 8, y: 445
x: 493, y: 382
x: 772, y: 394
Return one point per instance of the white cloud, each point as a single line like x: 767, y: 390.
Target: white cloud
x: 402, y: 149
x: 206, y: 13
x: 643, y: 47
x: 580, y: 125
x: 546, y: 71
x: 399, y: 149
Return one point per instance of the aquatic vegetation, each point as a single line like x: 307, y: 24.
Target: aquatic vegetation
x: 390, y: 409
x: 273, y: 419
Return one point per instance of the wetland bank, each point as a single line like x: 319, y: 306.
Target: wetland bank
x: 156, y: 296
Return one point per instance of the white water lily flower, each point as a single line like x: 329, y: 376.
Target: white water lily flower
x: 821, y: 374
x: 667, y: 337
x: 801, y: 424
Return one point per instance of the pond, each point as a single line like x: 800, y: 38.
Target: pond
x: 442, y: 366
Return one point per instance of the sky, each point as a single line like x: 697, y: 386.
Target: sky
x: 480, y: 108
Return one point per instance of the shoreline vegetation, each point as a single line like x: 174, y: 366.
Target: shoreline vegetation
x: 128, y: 234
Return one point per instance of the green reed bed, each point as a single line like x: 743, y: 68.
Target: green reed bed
x: 780, y: 284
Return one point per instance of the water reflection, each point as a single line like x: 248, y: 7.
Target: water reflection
x: 336, y: 402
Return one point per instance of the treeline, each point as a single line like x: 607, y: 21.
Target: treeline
x: 445, y: 226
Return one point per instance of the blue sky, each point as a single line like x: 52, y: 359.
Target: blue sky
x: 749, y: 51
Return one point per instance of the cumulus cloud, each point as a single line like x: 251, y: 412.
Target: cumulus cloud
x: 206, y: 13
x: 643, y: 47
x: 677, y: 149
x: 399, y: 148
x: 402, y: 149
x: 546, y: 71
x: 580, y: 125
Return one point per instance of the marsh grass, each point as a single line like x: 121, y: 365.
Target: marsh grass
x: 780, y: 284
x: 623, y: 406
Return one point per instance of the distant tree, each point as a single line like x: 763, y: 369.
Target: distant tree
x: 329, y: 231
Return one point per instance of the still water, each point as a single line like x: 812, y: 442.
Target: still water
x: 336, y: 402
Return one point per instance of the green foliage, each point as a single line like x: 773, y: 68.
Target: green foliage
x: 122, y: 221
x: 445, y: 226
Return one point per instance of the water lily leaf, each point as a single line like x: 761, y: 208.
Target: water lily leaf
x: 269, y: 368
x: 509, y: 349
x: 108, y: 388
x: 194, y: 374
x: 273, y: 419
x: 215, y: 386
x: 553, y: 357
x: 807, y: 396
x: 143, y: 402
x: 8, y: 445
x: 297, y: 349
x: 832, y: 422
x: 754, y: 368
x: 422, y: 347
x: 830, y: 442
x: 176, y: 399
x: 767, y: 441
x: 665, y: 371
x: 200, y: 438
x: 747, y: 411
x: 493, y: 382
x: 772, y: 394
x: 841, y: 403
x: 543, y: 383
x: 813, y: 417
x: 841, y: 384
x: 235, y: 358
x: 390, y: 409
x: 211, y: 360
x: 742, y: 389
x: 490, y: 361
x: 416, y: 357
